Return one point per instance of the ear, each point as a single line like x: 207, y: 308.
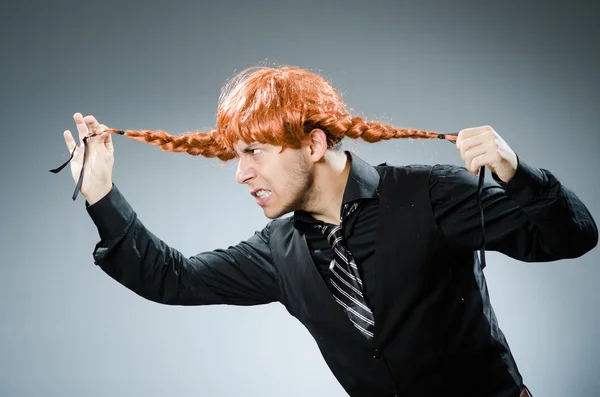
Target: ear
x: 316, y: 145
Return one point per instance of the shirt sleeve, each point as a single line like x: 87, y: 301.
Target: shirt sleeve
x: 133, y: 256
x: 532, y: 218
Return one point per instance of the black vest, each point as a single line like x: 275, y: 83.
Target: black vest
x: 439, y: 335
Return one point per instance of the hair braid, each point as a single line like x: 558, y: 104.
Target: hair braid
x: 194, y: 143
x: 278, y: 106
x: 369, y: 131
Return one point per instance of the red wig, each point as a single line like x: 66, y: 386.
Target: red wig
x: 278, y: 106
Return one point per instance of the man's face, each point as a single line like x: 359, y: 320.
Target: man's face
x: 280, y: 182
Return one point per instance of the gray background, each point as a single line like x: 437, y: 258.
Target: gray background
x: 527, y: 69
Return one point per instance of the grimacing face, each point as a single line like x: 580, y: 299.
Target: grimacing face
x: 280, y: 182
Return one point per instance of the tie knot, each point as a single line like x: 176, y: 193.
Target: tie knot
x: 334, y: 233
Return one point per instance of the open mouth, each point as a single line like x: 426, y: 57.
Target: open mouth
x: 262, y: 196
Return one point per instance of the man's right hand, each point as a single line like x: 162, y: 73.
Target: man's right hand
x: 97, y: 173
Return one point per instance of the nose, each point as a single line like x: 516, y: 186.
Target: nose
x: 244, y: 172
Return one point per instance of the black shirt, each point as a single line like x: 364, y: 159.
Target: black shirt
x: 532, y: 218
x: 454, y: 206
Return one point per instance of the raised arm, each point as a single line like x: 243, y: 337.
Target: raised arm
x: 133, y: 256
x: 532, y: 218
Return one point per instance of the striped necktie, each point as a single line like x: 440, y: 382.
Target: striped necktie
x: 345, y: 278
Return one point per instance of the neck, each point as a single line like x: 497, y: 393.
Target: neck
x: 331, y: 177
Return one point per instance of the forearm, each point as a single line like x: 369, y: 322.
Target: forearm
x: 139, y: 260
x: 132, y: 255
x: 563, y: 221
x: 533, y: 218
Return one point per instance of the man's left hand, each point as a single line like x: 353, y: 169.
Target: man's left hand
x: 481, y: 146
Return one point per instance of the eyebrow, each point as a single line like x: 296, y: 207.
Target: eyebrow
x: 249, y: 147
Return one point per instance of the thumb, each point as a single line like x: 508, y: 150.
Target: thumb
x: 107, y: 139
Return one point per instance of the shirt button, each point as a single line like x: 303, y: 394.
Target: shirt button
x: 376, y: 353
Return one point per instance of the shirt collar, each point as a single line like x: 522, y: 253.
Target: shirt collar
x: 363, y: 181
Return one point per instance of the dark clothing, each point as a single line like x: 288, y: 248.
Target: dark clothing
x: 452, y: 193
x: 414, y: 240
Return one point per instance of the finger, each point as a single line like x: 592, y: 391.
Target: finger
x: 471, y: 143
x: 474, y: 164
x: 94, y: 128
x: 107, y: 139
x: 462, y: 135
x: 69, y: 141
x: 477, y: 162
x: 467, y: 133
x: 92, y: 124
x: 81, y: 126
x: 474, y: 148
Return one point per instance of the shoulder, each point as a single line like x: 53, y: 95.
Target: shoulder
x: 433, y: 176
x: 405, y: 170
x: 278, y: 225
x: 435, y: 170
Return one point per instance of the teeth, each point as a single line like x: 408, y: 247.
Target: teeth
x: 263, y: 193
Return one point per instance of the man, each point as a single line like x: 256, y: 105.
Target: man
x: 378, y: 262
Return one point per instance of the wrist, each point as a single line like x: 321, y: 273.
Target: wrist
x: 97, y: 194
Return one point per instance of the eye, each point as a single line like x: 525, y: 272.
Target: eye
x: 255, y: 151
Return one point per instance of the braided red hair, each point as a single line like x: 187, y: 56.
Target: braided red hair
x: 278, y: 106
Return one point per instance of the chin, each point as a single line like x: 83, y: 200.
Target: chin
x: 272, y: 214
x: 275, y: 213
